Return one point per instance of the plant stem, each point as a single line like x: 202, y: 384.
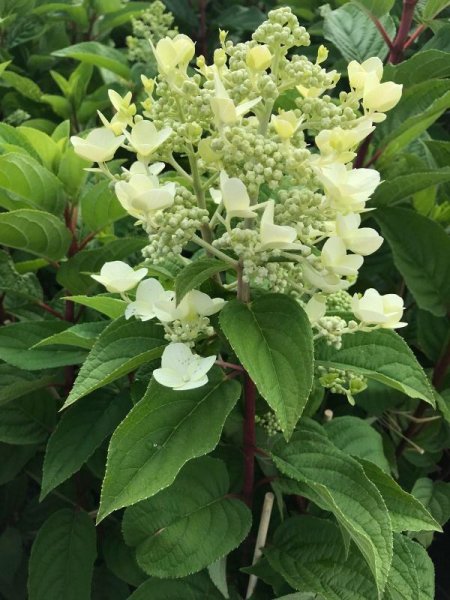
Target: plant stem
x: 382, y: 30
x: 215, y: 251
x: 261, y: 539
x: 396, y: 54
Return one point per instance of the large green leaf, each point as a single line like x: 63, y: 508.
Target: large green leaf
x: 190, y: 588
x: 435, y: 495
x: 24, y: 183
x: 337, y: 483
x: 425, y: 570
x: 17, y: 339
x: 422, y: 257
x: 380, y: 355
x: 82, y: 335
x: 24, y: 85
x: 378, y: 8
x: 354, y: 34
x: 26, y: 285
x: 356, y: 437
x: 120, y: 558
x: 36, y: 232
x: 74, y: 273
x: 196, y: 273
x: 99, y: 55
x: 27, y: 420
x: 276, y: 350
x: 79, y: 433
x: 421, y: 105
x: 15, y: 383
x: 166, y: 429
x: 429, y: 64
x: 12, y: 460
x: 121, y: 348
x: 62, y: 558
x: 111, y: 307
x: 392, y: 191
x: 100, y: 206
x: 168, y: 530
x: 405, y: 511
x: 432, y: 8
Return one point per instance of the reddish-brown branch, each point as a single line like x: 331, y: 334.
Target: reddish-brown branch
x: 228, y: 365
x: 51, y: 310
x: 396, y: 54
x: 84, y: 242
x: 249, y: 439
x: 412, y: 38
x: 382, y: 30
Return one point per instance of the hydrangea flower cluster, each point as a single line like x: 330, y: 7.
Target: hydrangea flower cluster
x: 217, y: 162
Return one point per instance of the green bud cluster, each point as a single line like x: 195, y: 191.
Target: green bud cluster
x: 188, y: 332
x: 331, y: 329
x: 342, y: 382
x: 153, y: 24
x: 339, y: 302
x: 269, y: 422
x: 281, y: 29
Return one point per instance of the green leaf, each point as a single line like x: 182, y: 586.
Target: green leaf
x: 425, y: 570
x: 276, y: 350
x: 17, y: 339
x: 120, y: 558
x: 100, y: 207
x: 338, y: 484
x: 422, y: 257
x: 190, y: 588
x: 433, y: 7
x: 62, y: 558
x: 47, y: 149
x: 99, y: 55
x: 15, y: 383
x: 435, y: 496
x: 82, y: 336
x: 75, y: 13
x: 166, y: 429
x: 78, y: 434
x: 356, y: 437
x: 428, y: 64
x: 24, y: 183
x: 309, y: 553
x: 73, y: 273
x: 377, y: 8
x: 405, y: 511
x: 36, y: 232
x: 25, y: 86
x: 120, y: 17
x: 26, y: 286
x: 12, y: 136
x: 194, y: 274
x: 354, y: 34
x: 421, y: 105
x: 121, y: 348
x: 392, y: 191
x: 111, y: 307
x: 27, y: 420
x: 169, y: 529
x: 403, y: 578
x: 13, y: 459
x: 381, y: 355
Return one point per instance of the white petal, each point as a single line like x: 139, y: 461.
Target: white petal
x: 168, y: 378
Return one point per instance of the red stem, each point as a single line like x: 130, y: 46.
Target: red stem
x: 396, y: 54
x: 382, y: 30
x: 412, y: 38
x: 249, y: 439
x: 51, y: 310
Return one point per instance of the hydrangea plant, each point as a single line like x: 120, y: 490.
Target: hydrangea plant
x: 240, y: 174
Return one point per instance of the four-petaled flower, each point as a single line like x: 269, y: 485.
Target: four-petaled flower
x: 181, y: 369
x: 118, y: 277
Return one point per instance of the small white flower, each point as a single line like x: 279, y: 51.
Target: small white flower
x: 99, y: 146
x: 194, y: 305
x: 380, y: 97
x: 142, y: 195
x: 223, y: 107
x: 335, y: 258
x: 174, y: 53
x: 276, y: 237
x: 286, y: 124
x: 348, y: 189
x: 328, y: 282
x: 146, y: 139
x: 148, y: 293
x: 358, y: 73
x: 259, y: 58
x: 181, y: 369
x: 337, y: 144
x: 362, y: 241
x: 315, y: 308
x: 118, y: 277
x: 374, y: 309
x: 234, y: 196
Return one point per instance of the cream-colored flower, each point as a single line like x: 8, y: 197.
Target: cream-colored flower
x: 286, y: 123
x: 223, y: 107
x: 348, y: 189
x: 380, y: 97
x: 337, y: 144
x: 181, y: 369
x: 276, y: 237
x: 142, y: 195
x: 364, y: 240
x: 145, y: 139
x: 118, y: 277
x: 174, y: 54
x: 326, y: 282
x: 148, y: 293
x: 99, y: 146
x: 358, y: 73
x: 234, y: 196
x: 335, y: 258
x: 316, y: 308
x: 259, y: 58
x: 195, y: 304
x: 374, y: 309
